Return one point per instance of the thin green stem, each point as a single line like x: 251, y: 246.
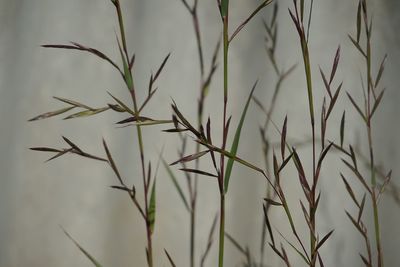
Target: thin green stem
x: 121, y: 27
x: 131, y: 88
x: 221, y: 231
x: 222, y: 176
x: 307, y: 67
x: 370, y: 143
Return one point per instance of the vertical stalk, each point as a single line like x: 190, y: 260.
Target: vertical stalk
x: 371, y: 151
x: 131, y: 88
x: 192, y: 227
x: 221, y: 231
x: 200, y: 119
x: 222, y: 176
x: 307, y: 67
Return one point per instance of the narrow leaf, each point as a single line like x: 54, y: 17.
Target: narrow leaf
x: 80, y: 47
x: 342, y: 122
x: 127, y: 71
x: 300, y: 170
x: 365, y: 261
x: 357, y: 45
x: 304, y: 257
x: 45, y: 149
x: 386, y: 181
x: 236, y: 244
x: 268, y: 223
x: 131, y: 192
x: 249, y: 18
x: 349, y: 190
x: 161, y: 67
x: 190, y: 157
x: 198, y: 172
x: 272, y: 202
x: 116, y: 108
x: 335, y: 65
x: 323, y: 240
x: 358, y: 21
x: 122, y: 104
x: 285, y: 162
x: 132, y: 61
x: 235, y: 143
x: 356, y: 107
x: 112, y: 163
x: 358, y: 175
x: 209, y: 241
x: 51, y: 114
x: 327, y: 86
x: 176, y: 184
x: 69, y: 142
x: 86, y: 113
x: 90, y: 257
x: 360, y: 211
x: 380, y: 72
x: 333, y: 100
x: 134, y: 119
x: 63, y: 152
x: 73, y: 103
x: 169, y: 258
x: 283, y: 138
x: 355, y: 223
x: 151, y: 215
x: 377, y: 102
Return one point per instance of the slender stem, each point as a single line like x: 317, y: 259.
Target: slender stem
x: 131, y: 88
x: 194, y: 186
x: 371, y: 152
x: 199, y: 46
x: 221, y: 231
x: 307, y: 67
x: 192, y: 230
x: 121, y: 27
x: 375, y: 201
x: 222, y: 176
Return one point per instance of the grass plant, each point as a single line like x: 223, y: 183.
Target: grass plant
x: 198, y: 143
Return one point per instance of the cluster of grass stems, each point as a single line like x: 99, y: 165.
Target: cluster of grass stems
x: 223, y: 156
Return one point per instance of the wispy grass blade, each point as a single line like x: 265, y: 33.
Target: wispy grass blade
x: 342, y: 124
x: 51, y: 114
x: 112, y: 162
x: 244, y: 23
x: 122, y: 104
x: 151, y: 216
x: 199, y: 172
x: 76, y: 46
x: 87, y: 254
x: 236, y: 139
x: 161, y: 67
x: 209, y: 241
x: 73, y: 103
x: 170, y: 258
x: 176, y: 184
x: 357, y: 107
x: 323, y: 240
x: 190, y: 157
x: 86, y: 113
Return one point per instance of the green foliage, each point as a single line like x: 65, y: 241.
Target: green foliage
x: 374, y: 182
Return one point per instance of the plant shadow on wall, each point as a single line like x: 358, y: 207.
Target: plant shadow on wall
x: 197, y: 142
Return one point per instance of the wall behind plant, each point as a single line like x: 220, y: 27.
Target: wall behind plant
x: 36, y: 198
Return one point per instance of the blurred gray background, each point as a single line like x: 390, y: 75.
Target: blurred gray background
x: 36, y: 198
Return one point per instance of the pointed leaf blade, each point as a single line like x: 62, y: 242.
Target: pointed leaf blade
x: 151, y: 216
x: 90, y: 257
x: 235, y: 143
